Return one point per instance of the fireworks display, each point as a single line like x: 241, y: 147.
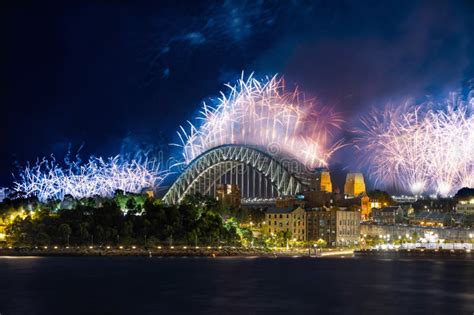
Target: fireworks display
x: 47, y: 179
x: 263, y: 114
x: 421, y: 148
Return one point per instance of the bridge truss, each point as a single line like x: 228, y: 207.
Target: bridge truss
x: 257, y: 174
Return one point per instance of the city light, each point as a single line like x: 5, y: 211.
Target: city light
x: 263, y: 114
x: 421, y: 147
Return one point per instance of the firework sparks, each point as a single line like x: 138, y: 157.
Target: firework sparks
x: 47, y: 179
x: 263, y: 114
x: 421, y: 148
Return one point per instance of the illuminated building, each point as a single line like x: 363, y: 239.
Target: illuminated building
x: 290, y: 202
x: 404, y: 199
x: 387, y: 215
x: 365, y: 206
x: 337, y: 227
x: 465, y: 206
x: 286, y: 219
x: 228, y: 195
x: 354, y: 185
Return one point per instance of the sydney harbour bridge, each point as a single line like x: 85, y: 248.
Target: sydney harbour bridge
x: 258, y: 173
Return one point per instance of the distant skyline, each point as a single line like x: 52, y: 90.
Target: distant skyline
x: 109, y: 77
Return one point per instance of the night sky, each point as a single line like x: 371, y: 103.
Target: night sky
x: 108, y: 76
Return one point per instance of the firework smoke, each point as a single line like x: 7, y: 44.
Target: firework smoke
x: 263, y: 114
x: 421, y: 148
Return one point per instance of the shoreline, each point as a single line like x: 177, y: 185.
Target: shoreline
x: 170, y: 252
x: 439, y: 254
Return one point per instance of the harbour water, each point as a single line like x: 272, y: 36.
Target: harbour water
x: 140, y: 285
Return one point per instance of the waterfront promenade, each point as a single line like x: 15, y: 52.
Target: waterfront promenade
x: 447, y: 233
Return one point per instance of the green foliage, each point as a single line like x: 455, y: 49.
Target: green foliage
x: 282, y: 238
x: 64, y: 231
x: 147, y: 222
x: 321, y: 243
x: 372, y: 241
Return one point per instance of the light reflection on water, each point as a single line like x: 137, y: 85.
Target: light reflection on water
x: 135, y: 285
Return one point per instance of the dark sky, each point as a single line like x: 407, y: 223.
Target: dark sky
x: 102, y: 74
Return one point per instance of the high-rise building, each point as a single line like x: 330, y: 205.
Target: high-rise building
x: 354, y: 185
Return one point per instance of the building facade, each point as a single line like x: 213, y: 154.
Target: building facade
x: 286, y: 219
x: 387, y: 215
x: 337, y: 227
x: 228, y: 195
x: 465, y: 206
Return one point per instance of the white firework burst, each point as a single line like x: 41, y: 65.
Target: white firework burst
x: 263, y: 114
x: 47, y: 179
x: 421, y: 148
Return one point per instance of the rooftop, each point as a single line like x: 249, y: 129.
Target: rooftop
x: 280, y: 210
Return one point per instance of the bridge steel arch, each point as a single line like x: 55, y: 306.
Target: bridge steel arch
x: 234, y: 164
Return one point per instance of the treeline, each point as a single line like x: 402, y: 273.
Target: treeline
x: 196, y: 221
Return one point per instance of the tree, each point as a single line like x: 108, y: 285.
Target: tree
x: 321, y: 243
x: 126, y: 233
x: 64, y: 231
x: 131, y: 205
x: 99, y: 234
x: 282, y: 238
x: 84, y: 235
